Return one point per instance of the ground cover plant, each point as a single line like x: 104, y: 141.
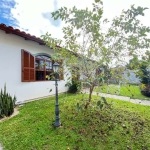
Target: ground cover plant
x: 122, y: 126
x: 132, y: 91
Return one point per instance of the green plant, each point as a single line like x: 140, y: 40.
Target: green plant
x: 143, y: 75
x: 7, y: 103
x: 124, y: 126
x: 102, y: 102
x: 74, y: 86
x: 145, y: 89
x: 95, y: 54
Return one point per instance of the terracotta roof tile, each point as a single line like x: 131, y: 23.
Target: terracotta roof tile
x: 27, y: 36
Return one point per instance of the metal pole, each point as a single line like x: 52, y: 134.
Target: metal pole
x: 57, y: 118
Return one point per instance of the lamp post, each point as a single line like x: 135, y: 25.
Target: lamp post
x: 57, y: 118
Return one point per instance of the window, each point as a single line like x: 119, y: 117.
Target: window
x: 43, y: 67
x: 36, y: 68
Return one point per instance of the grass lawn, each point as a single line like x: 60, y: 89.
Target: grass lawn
x: 132, y: 91
x: 124, y: 126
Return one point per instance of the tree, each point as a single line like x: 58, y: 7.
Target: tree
x: 133, y: 63
x: 88, y: 45
x: 141, y: 67
x: 143, y: 72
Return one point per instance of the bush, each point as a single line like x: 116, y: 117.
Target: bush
x: 7, y: 103
x: 145, y: 89
x: 74, y: 86
x: 144, y: 75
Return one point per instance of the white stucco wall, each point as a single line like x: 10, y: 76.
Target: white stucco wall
x: 10, y: 69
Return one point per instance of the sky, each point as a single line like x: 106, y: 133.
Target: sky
x: 34, y: 16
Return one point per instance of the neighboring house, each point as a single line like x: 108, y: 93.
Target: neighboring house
x: 124, y: 75
x: 130, y: 77
x: 21, y: 63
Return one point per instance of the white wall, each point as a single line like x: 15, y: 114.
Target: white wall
x: 10, y: 69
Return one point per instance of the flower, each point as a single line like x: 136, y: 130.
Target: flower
x: 47, y: 77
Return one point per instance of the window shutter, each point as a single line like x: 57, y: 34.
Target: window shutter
x: 32, y: 68
x: 28, y: 67
x: 61, y: 75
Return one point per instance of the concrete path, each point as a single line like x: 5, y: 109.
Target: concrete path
x: 1, y: 148
x: 124, y: 98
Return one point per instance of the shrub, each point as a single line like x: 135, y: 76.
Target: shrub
x: 143, y: 74
x: 74, y: 86
x: 145, y: 89
x: 7, y: 103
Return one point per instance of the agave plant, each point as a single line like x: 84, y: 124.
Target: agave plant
x: 7, y: 103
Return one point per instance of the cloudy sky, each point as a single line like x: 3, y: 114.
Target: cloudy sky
x: 34, y: 16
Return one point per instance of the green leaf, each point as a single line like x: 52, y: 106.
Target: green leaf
x: 89, y: 53
x: 78, y: 107
x: 101, y: 106
x: 98, y: 103
x: 94, y: 17
x: 96, y: 52
x: 128, y: 74
x: 96, y: 1
x: 104, y: 100
x: 100, y: 12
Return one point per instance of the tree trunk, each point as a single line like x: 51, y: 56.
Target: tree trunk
x: 90, y: 94
x: 90, y: 97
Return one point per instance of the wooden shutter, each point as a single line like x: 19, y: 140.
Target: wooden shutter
x: 28, y: 67
x: 32, y: 68
x: 61, y: 75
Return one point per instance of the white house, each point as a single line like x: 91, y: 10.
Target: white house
x: 21, y: 59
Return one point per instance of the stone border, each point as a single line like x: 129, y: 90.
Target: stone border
x: 16, y: 112
x: 1, y: 148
